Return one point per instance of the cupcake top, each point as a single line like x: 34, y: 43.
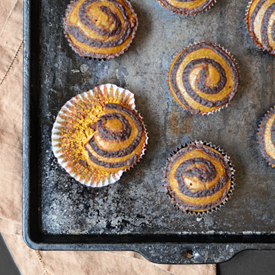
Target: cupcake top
x: 260, y: 23
x: 187, y: 7
x: 266, y: 137
x: 198, y: 178
x: 98, y: 135
x: 100, y: 28
x: 203, y: 78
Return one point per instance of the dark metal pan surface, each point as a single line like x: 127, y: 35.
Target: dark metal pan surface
x: 135, y: 213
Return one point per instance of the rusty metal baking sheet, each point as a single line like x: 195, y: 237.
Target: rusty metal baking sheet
x: 137, y: 204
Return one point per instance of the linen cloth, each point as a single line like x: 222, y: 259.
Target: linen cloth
x: 31, y: 262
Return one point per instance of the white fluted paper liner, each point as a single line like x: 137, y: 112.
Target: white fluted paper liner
x: 74, y: 113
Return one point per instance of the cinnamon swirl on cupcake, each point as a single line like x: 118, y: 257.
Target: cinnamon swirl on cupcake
x: 186, y: 7
x: 100, y: 28
x: 266, y: 137
x: 203, y: 78
x: 260, y: 20
x: 98, y: 135
x: 199, y: 177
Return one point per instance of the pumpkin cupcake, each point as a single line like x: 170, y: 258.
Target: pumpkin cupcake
x: 266, y: 137
x: 203, y: 78
x: 101, y: 29
x: 199, y: 178
x: 260, y: 19
x: 98, y: 135
x: 186, y: 7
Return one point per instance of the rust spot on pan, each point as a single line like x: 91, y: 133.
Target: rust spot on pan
x: 179, y: 124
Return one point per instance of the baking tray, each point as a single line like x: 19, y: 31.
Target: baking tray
x: 135, y: 213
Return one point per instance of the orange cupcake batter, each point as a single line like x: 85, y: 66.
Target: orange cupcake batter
x: 266, y: 137
x: 198, y: 178
x: 261, y: 23
x: 187, y: 7
x: 98, y: 135
x: 203, y: 78
x: 100, y: 28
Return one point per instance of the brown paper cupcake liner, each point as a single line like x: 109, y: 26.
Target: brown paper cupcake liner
x: 68, y: 28
x: 186, y: 12
x: 184, y: 104
x: 76, y: 132
x: 216, y: 205
x: 261, y: 137
x: 263, y: 45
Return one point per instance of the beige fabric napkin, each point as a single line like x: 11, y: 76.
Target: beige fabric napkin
x: 31, y: 262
